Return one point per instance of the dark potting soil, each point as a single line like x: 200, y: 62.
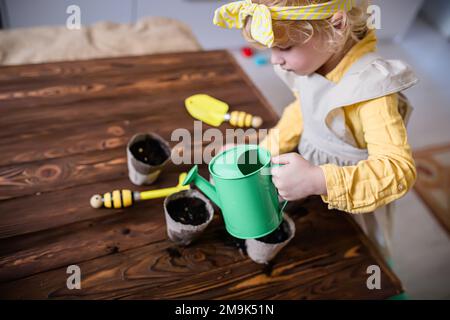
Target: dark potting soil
x: 280, y: 234
x: 240, y: 244
x: 188, y: 211
x: 149, y: 151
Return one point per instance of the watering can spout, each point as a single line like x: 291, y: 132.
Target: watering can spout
x: 204, y: 185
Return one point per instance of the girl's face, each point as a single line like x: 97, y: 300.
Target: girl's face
x: 302, y: 59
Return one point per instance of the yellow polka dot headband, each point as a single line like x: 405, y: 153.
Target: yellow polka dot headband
x: 233, y: 15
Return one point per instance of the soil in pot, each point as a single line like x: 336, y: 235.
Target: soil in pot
x: 188, y: 211
x: 280, y: 234
x: 264, y: 249
x: 149, y: 151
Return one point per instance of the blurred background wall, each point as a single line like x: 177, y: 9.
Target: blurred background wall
x: 437, y: 13
x: 397, y: 15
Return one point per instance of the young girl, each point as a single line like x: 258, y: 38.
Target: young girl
x: 351, y: 137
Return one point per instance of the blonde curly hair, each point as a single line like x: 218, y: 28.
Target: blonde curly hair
x: 289, y: 32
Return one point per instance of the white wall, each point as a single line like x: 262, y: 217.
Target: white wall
x: 437, y: 12
x: 29, y: 13
x: 396, y: 18
x: 198, y: 15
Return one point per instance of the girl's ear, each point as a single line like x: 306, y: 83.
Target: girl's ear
x: 339, y: 20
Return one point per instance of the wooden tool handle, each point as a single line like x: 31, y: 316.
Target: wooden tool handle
x: 116, y: 199
x: 242, y: 119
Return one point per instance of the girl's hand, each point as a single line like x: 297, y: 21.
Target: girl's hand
x: 297, y: 178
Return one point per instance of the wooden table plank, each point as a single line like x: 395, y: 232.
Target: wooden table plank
x: 212, y: 267
x: 63, y: 131
x: 105, y: 67
x: 133, y: 102
x: 54, y: 209
x: 67, y: 85
x: 84, y: 135
x: 87, y: 233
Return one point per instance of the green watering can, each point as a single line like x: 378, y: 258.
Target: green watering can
x: 243, y: 190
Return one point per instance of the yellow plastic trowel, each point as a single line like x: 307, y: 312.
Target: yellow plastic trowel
x: 126, y: 198
x: 213, y: 112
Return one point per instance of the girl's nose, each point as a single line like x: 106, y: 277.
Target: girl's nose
x: 276, y: 58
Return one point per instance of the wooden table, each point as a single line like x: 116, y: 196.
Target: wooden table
x: 63, y: 131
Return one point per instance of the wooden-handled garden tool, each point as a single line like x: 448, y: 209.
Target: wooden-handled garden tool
x: 126, y: 198
x: 214, y: 112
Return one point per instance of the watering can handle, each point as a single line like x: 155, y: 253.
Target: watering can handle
x: 285, y: 202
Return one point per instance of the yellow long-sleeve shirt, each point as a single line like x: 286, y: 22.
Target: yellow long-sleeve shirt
x: 387, y: 174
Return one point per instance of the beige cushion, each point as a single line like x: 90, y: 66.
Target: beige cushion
x: 101, y: 40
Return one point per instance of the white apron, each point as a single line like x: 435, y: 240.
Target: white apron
x: 326, y: 138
